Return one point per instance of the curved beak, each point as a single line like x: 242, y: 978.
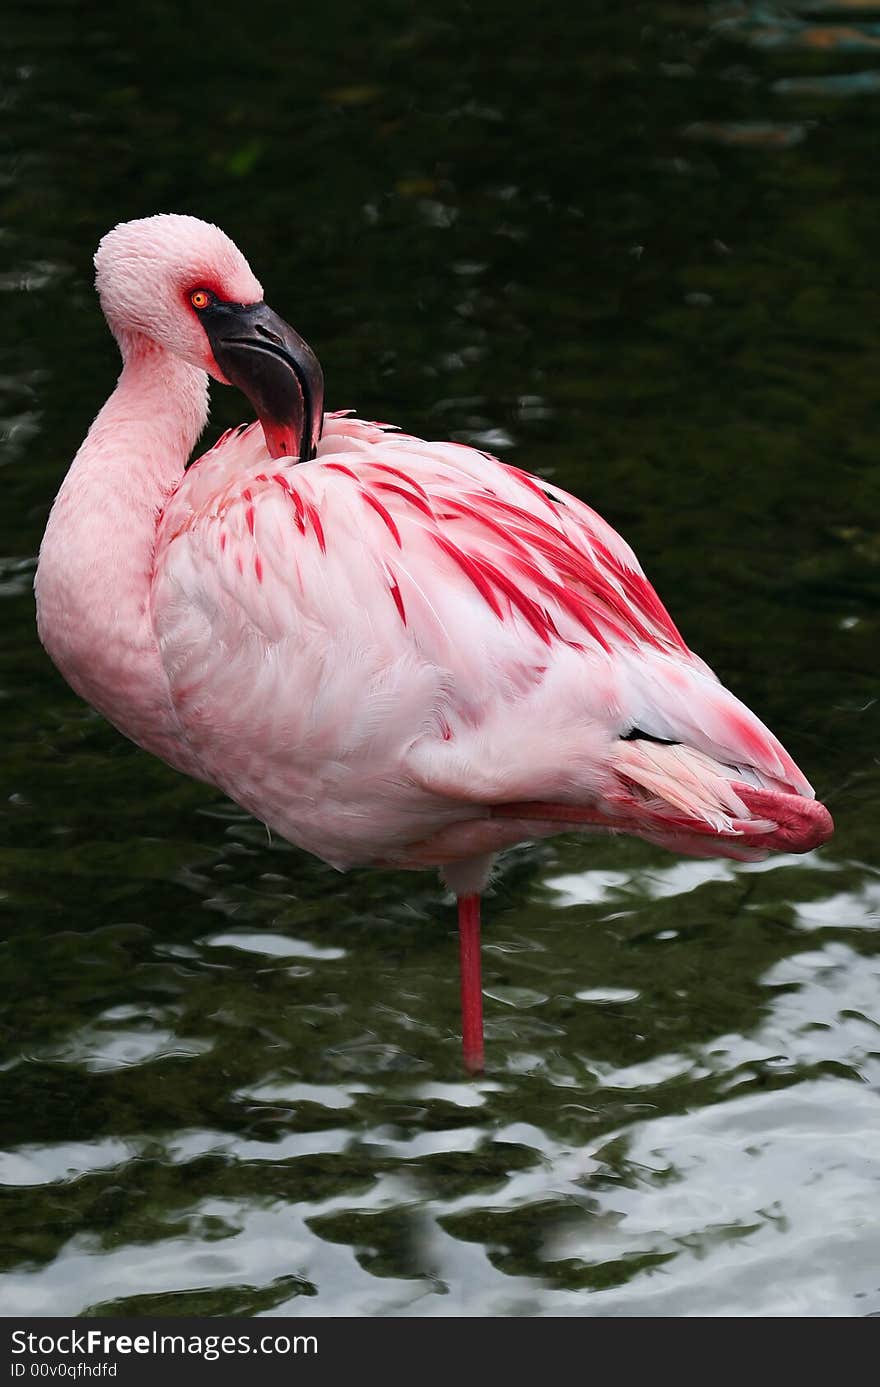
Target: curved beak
x: 278, y: 372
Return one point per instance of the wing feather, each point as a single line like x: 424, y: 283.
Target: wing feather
x: 503, y: 635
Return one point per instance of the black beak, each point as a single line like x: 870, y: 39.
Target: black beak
x: 271, y: 364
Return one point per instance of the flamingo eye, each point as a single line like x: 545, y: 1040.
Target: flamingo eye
x: 200, y: 298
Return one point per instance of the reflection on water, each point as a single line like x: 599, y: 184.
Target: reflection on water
x: 638, y: 255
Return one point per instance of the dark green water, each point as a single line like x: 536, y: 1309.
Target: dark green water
x: 633, y: 247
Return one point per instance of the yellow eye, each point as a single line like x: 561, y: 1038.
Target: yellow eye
x: 200, y: 298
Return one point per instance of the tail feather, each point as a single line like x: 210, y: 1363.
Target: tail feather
x: 668, y: 790
x: 684, y: 702
x: 683, y: 777
x: 686, y: 801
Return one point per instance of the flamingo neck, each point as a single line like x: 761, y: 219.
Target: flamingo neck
x: 149, y: 425
x: 96, y: 560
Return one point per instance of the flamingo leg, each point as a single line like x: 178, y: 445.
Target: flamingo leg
x: 471, y: 986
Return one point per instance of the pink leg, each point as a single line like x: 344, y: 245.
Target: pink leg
x: 471, y: 987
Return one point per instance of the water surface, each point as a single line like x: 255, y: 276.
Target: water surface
x: 634, y: 249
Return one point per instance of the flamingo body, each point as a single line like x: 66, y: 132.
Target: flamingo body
x: 397, y: 653
x: 377, y: 650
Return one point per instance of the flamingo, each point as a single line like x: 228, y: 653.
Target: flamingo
x: 395, y: 653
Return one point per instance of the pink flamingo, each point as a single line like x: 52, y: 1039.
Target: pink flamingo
x: 393, y: 652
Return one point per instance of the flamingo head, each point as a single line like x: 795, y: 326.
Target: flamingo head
x: 184, y: 285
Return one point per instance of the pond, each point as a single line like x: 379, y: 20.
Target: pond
x: 634, y: 249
